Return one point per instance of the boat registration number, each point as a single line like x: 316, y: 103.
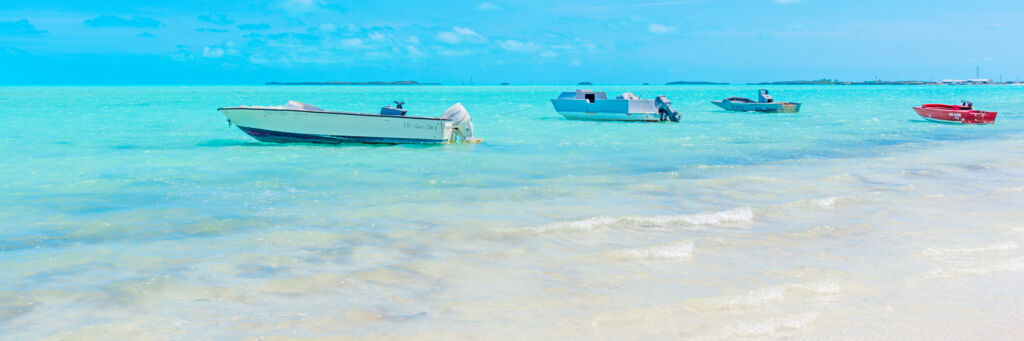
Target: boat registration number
x: 420, y: 126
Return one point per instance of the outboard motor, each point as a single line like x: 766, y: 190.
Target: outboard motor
x: 463, y: 124
x: 665, y: 112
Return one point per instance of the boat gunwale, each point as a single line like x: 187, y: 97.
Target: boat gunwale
x: 949, y: 108
x: 337, y: 113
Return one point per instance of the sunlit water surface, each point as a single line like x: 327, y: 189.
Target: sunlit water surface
x: 137, y: 213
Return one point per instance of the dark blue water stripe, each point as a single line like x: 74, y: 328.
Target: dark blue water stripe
x: 264, y: 135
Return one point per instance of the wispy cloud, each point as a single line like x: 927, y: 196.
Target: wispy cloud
x: 211, y: 30
x: 487, y: 6
x: 107, y: 20
x: 518, y: 46
x: 460, y: 35
x: 19, y: 28
x: 660, y: 29
x: 213, y: 52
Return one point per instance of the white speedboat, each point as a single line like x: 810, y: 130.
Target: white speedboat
x: 300, y: 122
x: 590, y: 105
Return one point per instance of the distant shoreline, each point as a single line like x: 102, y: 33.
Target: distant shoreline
x: 353, y: 83
x: 881, y: 82
x: 695, y: 83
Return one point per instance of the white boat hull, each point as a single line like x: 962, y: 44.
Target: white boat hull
x: 288, y: 125
x: 644, y: 110
x: 610, y: 116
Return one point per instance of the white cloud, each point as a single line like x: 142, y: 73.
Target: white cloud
x: 460, y: 35
x: 213, y: 52
x: 351, y: 42
x: 413, y: 40
x: 515, y: 45
x: 578, y: 45
x: 413, y: 50
x: 376, y: 36
x: 660, y: 29
x: 487, y: 6
x: 548, y: 54
x: 300, y: 5
x: 575, y: 62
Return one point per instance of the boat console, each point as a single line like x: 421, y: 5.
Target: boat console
x: 396, y: 111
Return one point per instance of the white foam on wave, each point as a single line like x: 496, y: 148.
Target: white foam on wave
x: 828, y: 202
x: 770, y: 326
x: 762, y: 296
x: 730, y: 216
x: 1006, y: 265
x: 678, y: 250
x: 938, y: 251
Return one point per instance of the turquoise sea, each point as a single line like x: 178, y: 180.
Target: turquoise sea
x: 135, y: 212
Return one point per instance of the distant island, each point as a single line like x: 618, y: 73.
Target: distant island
x: 694, y: 83
x: 584, y: 83
x: 982, y: 81
x: 353, y: 83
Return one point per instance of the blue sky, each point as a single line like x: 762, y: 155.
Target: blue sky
x: 522, y: 42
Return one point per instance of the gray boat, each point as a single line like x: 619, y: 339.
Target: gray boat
x: 596, y: 106
x: 765, y: 103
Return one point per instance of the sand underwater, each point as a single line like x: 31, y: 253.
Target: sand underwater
x: 135, y: 212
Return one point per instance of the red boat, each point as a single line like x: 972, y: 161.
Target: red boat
x: 963, y: 113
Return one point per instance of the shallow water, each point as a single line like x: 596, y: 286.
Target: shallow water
x: 135, y: 212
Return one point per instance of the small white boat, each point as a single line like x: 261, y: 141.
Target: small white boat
x: 304, y: 123
x: 590, y: 105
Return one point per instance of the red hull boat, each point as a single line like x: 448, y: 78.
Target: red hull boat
x: 963, y: 113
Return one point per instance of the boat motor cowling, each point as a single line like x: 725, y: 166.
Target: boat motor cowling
x: 462, y: 122
x: 665, y: 112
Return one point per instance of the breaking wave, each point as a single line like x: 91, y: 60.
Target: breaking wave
x: 694, y: 220
x: 678, y: 250
x: 762, y: 296
x: 937, y: 251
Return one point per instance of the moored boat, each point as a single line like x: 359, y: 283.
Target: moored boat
x: 764, y: 103
x: 961, y: 114
x: 304, y: 123
x: 596, y: 106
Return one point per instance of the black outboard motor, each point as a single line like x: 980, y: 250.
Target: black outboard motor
x: 665, y: 112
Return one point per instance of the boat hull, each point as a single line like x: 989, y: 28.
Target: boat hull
x: 784, y: 107
x: 289, y: 126
x: 610, y: 116
x: 639, y: 110
x: 956, y: 116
